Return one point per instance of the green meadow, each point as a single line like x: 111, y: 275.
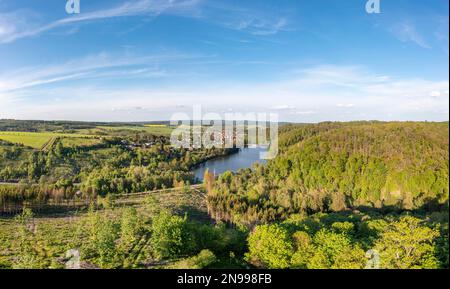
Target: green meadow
x: 162, y: 130
x: 42, y: 140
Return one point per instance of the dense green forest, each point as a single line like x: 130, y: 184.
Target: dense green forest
x: 339, y: 195
x: 333, y: 167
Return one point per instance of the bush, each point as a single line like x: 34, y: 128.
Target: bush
x: 271, y: 246
x: 204, y: 259
x: 170, y: 235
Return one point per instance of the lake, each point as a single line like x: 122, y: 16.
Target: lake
x: 245, y: 158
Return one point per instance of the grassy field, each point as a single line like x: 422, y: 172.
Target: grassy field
x: 83, y: 137
x: 38, y: 140
x: 34, y: 140
x: 163, y: 130
x: 79, y: 142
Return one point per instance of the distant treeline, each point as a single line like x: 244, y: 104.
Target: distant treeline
x: 49, y: 126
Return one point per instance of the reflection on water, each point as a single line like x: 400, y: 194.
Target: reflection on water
x: 242, y: 160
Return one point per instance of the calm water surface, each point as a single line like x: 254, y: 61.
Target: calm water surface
x: 242, y: 160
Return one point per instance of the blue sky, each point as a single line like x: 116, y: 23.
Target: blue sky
x: 309, y: 61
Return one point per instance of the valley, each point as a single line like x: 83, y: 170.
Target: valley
x: 122, y: 197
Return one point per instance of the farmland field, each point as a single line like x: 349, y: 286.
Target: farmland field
x: 79, y: 142
x: 152, y: 129
x: 34, y: 140
x: 38, y: 140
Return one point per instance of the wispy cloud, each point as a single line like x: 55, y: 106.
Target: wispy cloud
x: 16, y: 25
x: 254, y: 21
x: 140, y: 7
x: 313, y: 94
x: 259, y: 26
x: 102, y: 65
x: 441, y: 31
x: 13, y: 27
x: 407, y: 32
x: 284, y: 107
x: 345, y: 105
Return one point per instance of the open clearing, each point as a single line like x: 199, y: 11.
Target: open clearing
x: 59, y: 231
x: 79, y: 142
x: 34, y: 140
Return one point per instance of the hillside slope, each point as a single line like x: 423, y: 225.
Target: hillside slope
x: 340, y: 166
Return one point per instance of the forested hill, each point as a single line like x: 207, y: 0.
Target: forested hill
x: 340, y: 166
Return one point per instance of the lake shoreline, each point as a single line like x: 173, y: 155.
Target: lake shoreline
x: 243, y: 158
